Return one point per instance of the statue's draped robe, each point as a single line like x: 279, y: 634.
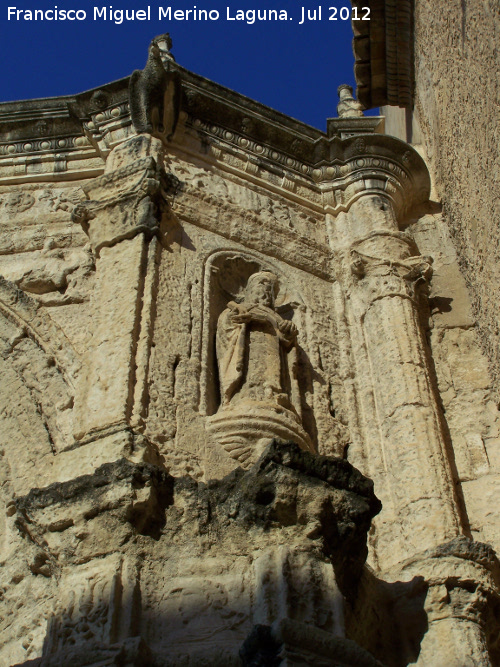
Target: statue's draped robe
x: 252, y: 357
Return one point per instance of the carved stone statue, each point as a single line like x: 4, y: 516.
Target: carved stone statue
x: 154, y: 93
x: 251, y: 342
x: 256, y: 358
x: 348, y: 106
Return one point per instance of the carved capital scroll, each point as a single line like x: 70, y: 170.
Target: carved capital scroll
x: 124, y: 203
x: 392, y: 276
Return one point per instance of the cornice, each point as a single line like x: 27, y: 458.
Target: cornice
x: 383, y: 55
x: 242, y: 135
x: 343, y: 168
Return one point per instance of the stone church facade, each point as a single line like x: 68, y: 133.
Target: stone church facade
x: 248, y: 415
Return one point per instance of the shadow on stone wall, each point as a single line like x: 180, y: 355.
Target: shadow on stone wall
x: 132, y: 551
x: 263, y: 565
x: 388, y: 619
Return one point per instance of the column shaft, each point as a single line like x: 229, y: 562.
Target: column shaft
x: 402, y: 427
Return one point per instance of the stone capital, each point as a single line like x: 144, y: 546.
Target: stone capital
x: 463, y: 577
x: 124, y: 203
x: 384, y: 263
x: 391, y: 276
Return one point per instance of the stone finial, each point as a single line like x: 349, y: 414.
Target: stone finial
x: 348, y: 106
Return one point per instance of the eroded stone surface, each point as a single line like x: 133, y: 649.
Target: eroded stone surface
x: 131, y: 551
x: 168, y: 306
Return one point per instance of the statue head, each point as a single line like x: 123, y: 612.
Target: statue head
x: 261, y: 288
x: 162, y: 45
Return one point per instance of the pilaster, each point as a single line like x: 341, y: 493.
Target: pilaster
x: 122, y: 218
x: 400, y: 437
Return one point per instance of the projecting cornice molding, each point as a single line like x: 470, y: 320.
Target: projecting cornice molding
x: 70, y: 138
x: 383, y: 53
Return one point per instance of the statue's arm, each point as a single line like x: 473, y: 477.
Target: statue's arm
x: 285, y: 329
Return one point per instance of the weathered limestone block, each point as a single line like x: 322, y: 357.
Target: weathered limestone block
x: 462, y: 603
x: 127, y: 196
x: 93, y: 515
x: 446, y: 71
x: 463, y: 381
x: 76, y: 531
x: 290, y: 643
x: 113, y: 337
x: 291, y: 531
x: 40, y: 368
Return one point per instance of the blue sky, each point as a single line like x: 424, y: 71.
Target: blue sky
x: 290, y: 67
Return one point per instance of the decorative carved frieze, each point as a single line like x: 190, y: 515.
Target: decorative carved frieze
x: 327, y: 171
x: 42, y: 146
x: 228, y: 219
x: 340, y: 161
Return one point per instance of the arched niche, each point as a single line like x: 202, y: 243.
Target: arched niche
x: 225, y: 277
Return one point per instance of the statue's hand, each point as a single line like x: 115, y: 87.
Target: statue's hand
x: 287, y: 328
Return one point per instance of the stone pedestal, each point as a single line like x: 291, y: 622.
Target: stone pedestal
x: 245, y: 431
